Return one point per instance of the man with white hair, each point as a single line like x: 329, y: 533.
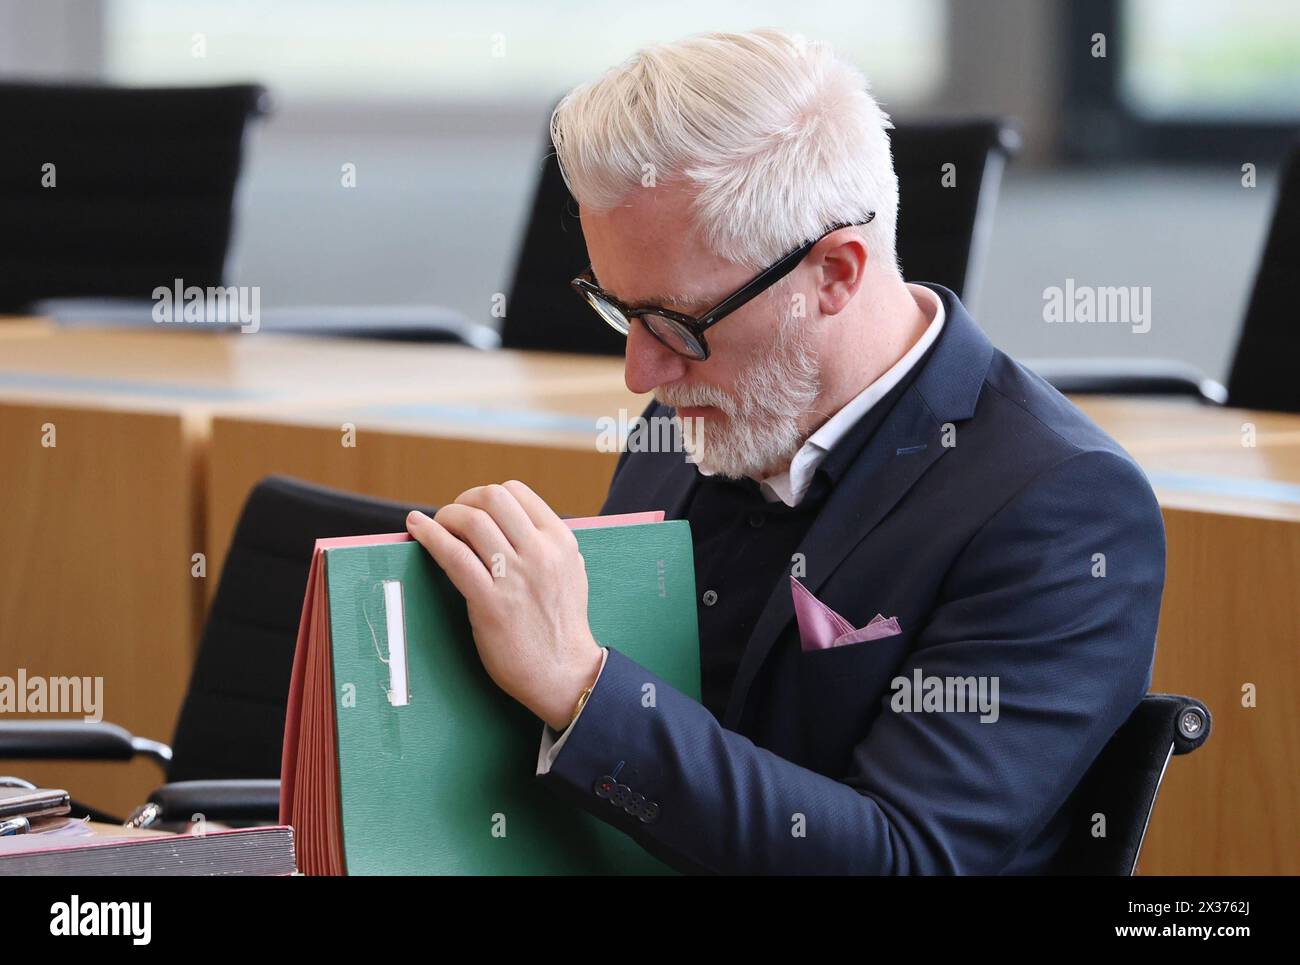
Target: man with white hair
x: 887, y: 512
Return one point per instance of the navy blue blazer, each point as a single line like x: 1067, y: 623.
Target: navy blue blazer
x: 1013, y: 539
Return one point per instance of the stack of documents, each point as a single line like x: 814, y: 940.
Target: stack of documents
x: 403, y: 757
x: 244, y: 851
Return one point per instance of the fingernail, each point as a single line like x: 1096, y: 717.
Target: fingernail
x: 415, y: 516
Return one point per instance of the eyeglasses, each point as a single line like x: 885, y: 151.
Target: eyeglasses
x: 681, y: 333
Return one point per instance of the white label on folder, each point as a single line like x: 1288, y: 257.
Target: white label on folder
x: 399, y: 694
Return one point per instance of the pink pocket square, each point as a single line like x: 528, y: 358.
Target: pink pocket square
x: 821, y: 628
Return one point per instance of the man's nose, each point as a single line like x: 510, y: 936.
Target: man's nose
x: 648, y: 363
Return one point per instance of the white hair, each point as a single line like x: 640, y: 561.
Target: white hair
x: 779, y: 138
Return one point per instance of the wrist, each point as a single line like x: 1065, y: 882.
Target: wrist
x: 573, y: 692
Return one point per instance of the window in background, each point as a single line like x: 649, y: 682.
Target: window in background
x: 484, y: 51
x: 1210, y: 60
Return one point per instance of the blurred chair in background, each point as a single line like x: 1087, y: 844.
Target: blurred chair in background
x: 1263, y: 374
x: 138, y: 193
x: 112, y: 191
x: 945, y: 215
x: 224, y: 762
x: 943, y: 231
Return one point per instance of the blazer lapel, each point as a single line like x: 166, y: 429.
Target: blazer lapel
x: 906, y: 444
x: 902, y: 449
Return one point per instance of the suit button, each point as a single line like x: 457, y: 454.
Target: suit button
x: 710, y: 597
x: 757, y: 519
x: 620, y: 795
x: 649, y: 812
x: 604, y: 786
x: 633, y: 806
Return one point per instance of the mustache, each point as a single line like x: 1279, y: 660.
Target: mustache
x: 679, y: 396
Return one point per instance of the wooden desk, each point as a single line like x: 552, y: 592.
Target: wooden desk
x: 425, y: 453
x: 161, y: 435
x: 1207, y: 458
x: 99, y: 530
x: 24, y: 326
x: 166, y: 370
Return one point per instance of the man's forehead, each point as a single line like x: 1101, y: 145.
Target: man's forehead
x: 649, y: 250
x: 643, y: 292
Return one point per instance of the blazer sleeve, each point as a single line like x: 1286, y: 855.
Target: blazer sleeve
x: 1056, y: 597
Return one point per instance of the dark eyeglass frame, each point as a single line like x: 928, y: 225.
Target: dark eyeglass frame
x: 694, y: 327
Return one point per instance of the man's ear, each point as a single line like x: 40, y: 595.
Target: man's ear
x: 841, y: 266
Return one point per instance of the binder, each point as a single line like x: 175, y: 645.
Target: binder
x: 115, y: 851
x: 401, y: 755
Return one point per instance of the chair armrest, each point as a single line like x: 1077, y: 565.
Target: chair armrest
x: 228, y: 800
x: 1120, y: 376
x: 74, y: 740
x: 1186, y: 719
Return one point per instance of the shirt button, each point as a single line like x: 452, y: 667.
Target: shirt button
x: 757, y: 519
x: 710, y: 597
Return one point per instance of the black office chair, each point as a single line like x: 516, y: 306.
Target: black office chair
x: 224, y: 761
x: 111, y: 191
x: 142, y: 194
x: 1263, y: 370
x: 1123, y: 781
x: 943, y: 232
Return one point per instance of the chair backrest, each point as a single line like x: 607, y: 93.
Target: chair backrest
x: 1263, y: 370
x: 112, y: 191
x: 1122, y: 782
x: 945, y: 214
x: 542, y: 312
x: 945, y: 219
x: 232, y: 722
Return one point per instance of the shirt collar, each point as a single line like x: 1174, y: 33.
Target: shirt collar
x: 791, y: 485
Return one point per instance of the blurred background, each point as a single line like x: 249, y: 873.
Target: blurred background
x: 396, y: 165
x: 1130, y: 174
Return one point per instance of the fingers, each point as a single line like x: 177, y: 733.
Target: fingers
x: 461, y: 564
x: 505, y: 510
x: 535, y: 506
x: 471, y: 537
x: 479, y: 531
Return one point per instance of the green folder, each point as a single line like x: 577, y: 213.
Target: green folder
x: 447, y: 783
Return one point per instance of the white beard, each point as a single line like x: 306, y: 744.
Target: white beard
x: 759, y: 425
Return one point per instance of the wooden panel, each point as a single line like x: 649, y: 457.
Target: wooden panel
x: 408, y: 466
x: 1231, y: 617
x: 97, y: 533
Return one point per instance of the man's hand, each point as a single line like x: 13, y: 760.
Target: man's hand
x: 520, y: 571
